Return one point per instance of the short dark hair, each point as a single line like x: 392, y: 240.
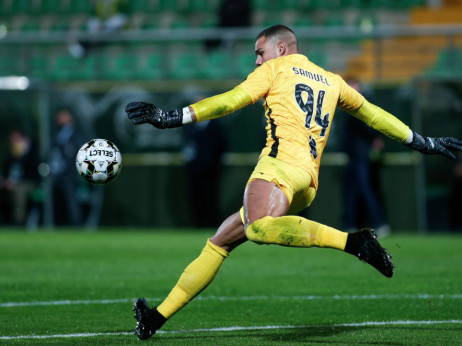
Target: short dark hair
x: 275, y: 30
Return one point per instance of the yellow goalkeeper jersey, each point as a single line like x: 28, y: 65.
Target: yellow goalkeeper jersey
x: 300, y: 99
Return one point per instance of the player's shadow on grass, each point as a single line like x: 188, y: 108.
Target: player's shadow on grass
x: 323, y: 334
x: 303, y: 335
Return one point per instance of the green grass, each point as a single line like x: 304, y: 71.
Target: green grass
x: 316, y: 296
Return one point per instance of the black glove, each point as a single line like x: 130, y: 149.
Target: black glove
x: 142, y: 113
x: 429, y: 145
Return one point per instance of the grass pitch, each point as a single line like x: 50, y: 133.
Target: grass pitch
x: 66, y: 287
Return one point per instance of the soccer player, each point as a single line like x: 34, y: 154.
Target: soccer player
x: 299, y: 98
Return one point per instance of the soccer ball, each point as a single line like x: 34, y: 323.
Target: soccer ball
x: 98, y: 161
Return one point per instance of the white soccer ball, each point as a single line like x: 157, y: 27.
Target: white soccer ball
x: 98, y: 161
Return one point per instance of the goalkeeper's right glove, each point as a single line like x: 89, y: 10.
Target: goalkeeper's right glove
x: 143, y: 112
x: 429, y: 145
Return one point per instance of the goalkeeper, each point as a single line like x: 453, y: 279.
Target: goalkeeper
x: 300, y: 99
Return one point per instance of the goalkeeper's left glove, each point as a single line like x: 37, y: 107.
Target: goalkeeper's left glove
x: 429, y: 145
x: 143, y: 112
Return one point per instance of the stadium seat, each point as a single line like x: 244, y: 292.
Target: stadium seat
x: 245, y: 64
x: 449, y: 62
x: 218, y: 65
x: 81, y: 7
x: 21, y: 6
x: 318, y: 58
x: 153, y: 22
x: 51, y: 7
x: 144, y: 6
x: 268, y: 5
x: 202, y: 6
x: 302, y: 22
x: 271, y: 20
x: 209, y: 22
x: 39, y: 65
x: 66, y: 68
x: 151, y: 66
x: 186, y: 66
x: 9, y: 65
x: 60, y: 24
x: 334, y: 20
x: 169, y: 6
x: 180, y: 23
x: 120, y: 66
x: 293, y: 4
x: 89, y: 67
x: 30, y: 25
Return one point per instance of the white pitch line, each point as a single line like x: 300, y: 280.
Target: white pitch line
x: 236, y: 328
x: 242, y: 298
x: 65, y: 302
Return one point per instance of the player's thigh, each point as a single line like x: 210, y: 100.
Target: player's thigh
x: 302, y: 200
x: 264, y: 198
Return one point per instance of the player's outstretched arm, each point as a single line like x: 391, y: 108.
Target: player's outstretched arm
x: 207, y: 109
x: 147, y: 113
x: 391, y: 126
x: 434, y: 146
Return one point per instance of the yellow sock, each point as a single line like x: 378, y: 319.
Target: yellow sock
x: 195, y: 278
x: 295, y: 231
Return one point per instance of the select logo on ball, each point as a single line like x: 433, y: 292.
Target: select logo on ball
x: 98, y: 161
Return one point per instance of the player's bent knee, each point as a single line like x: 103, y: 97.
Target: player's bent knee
x: 256, y: 231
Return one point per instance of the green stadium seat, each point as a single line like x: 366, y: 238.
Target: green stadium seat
x: 293, y: 4
x: 39, y: 64
x: 61, y: 25
x: 21, y: 6
x: 319, y: 58
x: 151, y: 23
x: 81, y: 7
x: 51, y: 7
x: 448, y: 63
x: 187, y: 65
x: 30, y: 25
x: 119, y: 65
x: 245, y: 64
x: 88, y: 67
x: 271, y: 20
x: 9, y: 65
x: 151, y: 67
x: 66, y: 68
x: 409, y: 3
x: 169, y: 6
x: 359, y: 4
x: 218, y: 65
x: 209, y: 22
x: 180, y: 23
x: 334, y: 21
x: 377, y: 4
x: 268, y: 5
x: 302, y: 22
x: 320, y: 4
x: 144, y: 6
x: 198, y: 6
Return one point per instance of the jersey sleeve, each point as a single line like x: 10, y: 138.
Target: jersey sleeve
x: 382, y: 121
x: 259, y: 82
x: 256, y: 86
x: 354, y: 103
x: 222, y: 104
x: 349, y: 99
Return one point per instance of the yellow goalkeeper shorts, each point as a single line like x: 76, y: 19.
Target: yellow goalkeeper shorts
x: 295, y: 182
